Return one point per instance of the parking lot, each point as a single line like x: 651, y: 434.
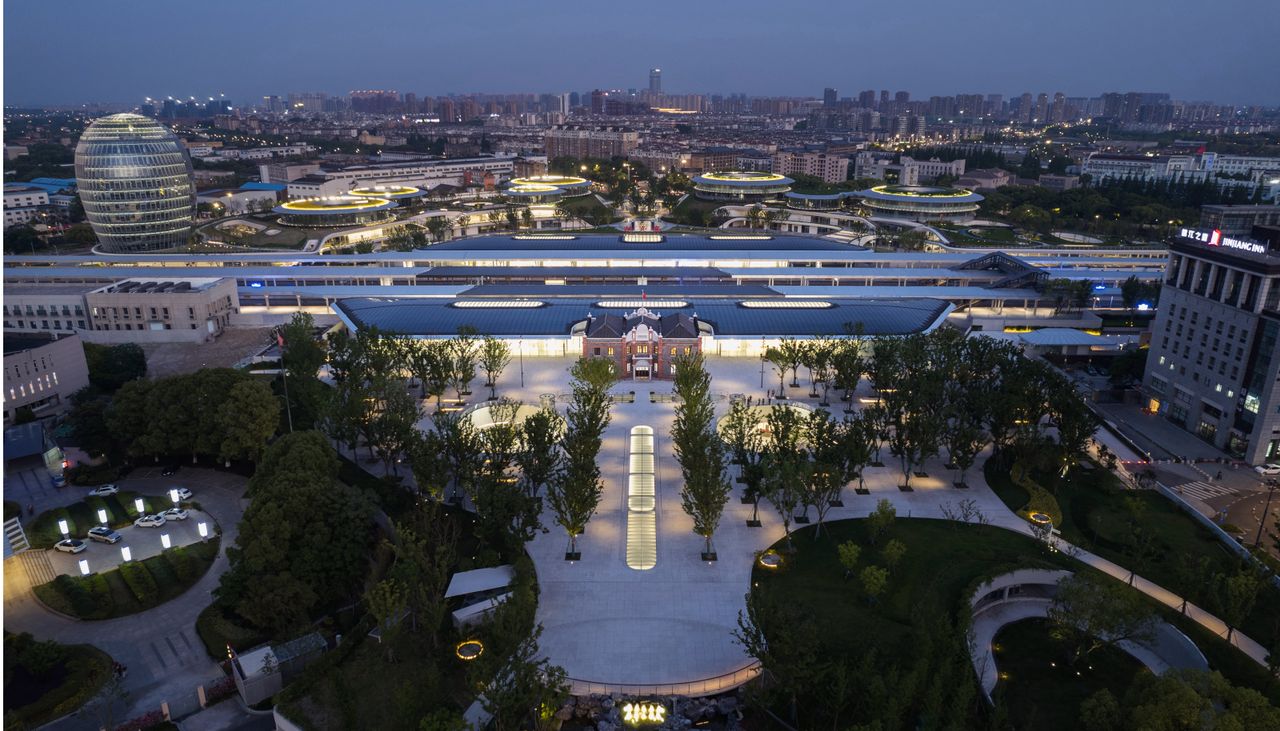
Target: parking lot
x: 142, y: 543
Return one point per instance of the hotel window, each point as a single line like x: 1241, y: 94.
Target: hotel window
x: 609, y: 351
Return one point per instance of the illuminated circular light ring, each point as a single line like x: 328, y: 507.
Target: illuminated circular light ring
x: 469, y: 650
x: 770, y: 559
x: 533, y: 188
x: 388, y: 192
x: 926, y: 192
x: 569, y: 185
x: 534, y: 191
x: 1038, y: 518
x: 746, y: 176
x: 338, y: 204
x: 557, y: 181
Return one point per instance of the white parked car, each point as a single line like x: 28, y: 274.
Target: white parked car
x: 70, y: 545
x: 103, y: 491
x: 175, y: 514
x: 183, y: 493
x: 149, y: 521
x: 1268, y: 469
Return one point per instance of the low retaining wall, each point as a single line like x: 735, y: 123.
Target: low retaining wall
x: 1226, y: 538
x: 691, y: 689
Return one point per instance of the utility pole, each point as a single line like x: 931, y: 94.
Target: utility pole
x: 284, y: 376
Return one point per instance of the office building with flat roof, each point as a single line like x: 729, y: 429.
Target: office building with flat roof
x: 41, y: 372
x: 1214, y: 365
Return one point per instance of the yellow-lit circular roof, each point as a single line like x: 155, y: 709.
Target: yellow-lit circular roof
x: 558, y: 181
x: 342, y: 204
x: 533, y: 188
x: 740, y: 176
x: 384, y: 191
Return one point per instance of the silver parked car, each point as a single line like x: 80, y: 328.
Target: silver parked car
x: 104, y: 534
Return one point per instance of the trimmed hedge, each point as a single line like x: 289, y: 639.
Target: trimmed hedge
x: 131, y: 587
x: 140, y: 582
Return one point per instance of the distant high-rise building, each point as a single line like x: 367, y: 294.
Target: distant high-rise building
x: 377, y: 101
x: 313, y: 101
x: 1058, y: 112
x: 1041, y: 113
x: 884, y: 97
x: 655, y: 81
x: 829, y: 97
x: 867, y: 99
x: 135, y: 181
x: 1026, y: 108
x: 902, y: 97
x: 582, y: 141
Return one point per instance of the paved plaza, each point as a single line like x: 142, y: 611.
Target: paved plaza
x: 670, y: 628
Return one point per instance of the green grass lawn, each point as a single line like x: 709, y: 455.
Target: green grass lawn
x: 943, y: 560
x: 1096, y: 517
x: 81, y: 516
x: 588, y: 208
x: 992, y: 233
x: 108, y: 594
x: 1039, y: 685
x: 943, y: 563
x: 693, y: 211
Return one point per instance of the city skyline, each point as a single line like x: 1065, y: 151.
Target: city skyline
x: 779, y: 58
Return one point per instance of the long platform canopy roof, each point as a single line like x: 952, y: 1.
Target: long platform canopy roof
x: 533, y: 318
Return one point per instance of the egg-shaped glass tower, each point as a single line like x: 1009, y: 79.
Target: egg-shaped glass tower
x: 134, y: 178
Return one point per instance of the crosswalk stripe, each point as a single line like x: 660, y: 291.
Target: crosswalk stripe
x: 1203, y: 490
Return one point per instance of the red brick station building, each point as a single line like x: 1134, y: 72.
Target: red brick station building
x: 642, y: 343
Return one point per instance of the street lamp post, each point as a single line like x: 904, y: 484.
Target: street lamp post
x: 1266, y: 511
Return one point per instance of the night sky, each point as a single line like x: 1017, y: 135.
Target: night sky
x: 82, y: 51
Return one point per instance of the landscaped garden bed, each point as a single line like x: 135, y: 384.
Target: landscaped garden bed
x: 44, y: 681
x: 133, y: 586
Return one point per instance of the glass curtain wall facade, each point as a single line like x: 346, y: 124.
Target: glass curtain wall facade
x: 135, y: 182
